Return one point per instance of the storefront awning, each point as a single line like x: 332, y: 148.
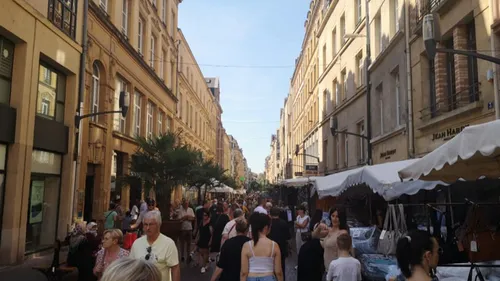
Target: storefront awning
x: 299, y: 182
x: 470, y: 155
x: 382, y: 179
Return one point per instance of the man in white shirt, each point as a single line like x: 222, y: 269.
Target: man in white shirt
x: 230, y: 228
x: 157, y: 248
x: 261, y: 208
x: 186, y: 215
x: 345, y: 267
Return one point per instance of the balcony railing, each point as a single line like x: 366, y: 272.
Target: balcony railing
x: 449, y: 103
x: 424, y: 7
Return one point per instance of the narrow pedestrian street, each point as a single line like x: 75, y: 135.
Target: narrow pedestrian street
x: 190, y: 273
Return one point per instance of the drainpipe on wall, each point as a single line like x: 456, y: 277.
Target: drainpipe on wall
x: 411, y: 142
x: 495, y: 72
x: 79, y: 108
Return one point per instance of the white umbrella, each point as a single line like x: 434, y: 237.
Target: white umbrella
x: 471, y: 154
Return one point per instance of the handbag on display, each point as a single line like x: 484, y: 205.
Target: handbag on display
x: 394, y: 228
x: 477, y: 238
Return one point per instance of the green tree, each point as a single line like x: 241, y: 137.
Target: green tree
x: 163, y: 162
x: 208, y: 174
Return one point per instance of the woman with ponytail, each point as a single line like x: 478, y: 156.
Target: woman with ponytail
x: 260, y: 257
x: 417, y: 255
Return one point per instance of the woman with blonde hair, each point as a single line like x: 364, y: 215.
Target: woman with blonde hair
x: 110, y: 252
x: 127, y: 269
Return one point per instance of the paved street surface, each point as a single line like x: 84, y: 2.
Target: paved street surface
x: 190, y: 273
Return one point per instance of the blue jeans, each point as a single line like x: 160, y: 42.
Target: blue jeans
x: 263, y: 278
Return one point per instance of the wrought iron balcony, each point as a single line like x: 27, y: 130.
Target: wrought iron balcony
x: 448, y: 103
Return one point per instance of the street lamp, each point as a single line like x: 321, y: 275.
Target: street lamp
x: 431, y: 35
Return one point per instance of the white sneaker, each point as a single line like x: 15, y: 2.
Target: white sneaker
x: 203, y: 270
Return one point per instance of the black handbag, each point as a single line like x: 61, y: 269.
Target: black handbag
x: 306, y: 236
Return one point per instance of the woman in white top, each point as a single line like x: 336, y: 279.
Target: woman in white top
x: 301, y: 225
x: 260, y: 257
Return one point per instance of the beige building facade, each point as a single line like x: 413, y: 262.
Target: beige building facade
x: 198, y: 107
x: 388, y: 76
x: 303, y: 95
x: 341, y: 85
x: 131, y: 48
x: 452, y: 91
x: 38, y: 97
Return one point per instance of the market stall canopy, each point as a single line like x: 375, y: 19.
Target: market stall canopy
x: 470, y: 155
x: 299, y: 182
x: 382, y: 179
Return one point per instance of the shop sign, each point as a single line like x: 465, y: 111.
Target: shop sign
x: 311, y: 170
x: 387, y: 154
x: 36, y: 201
x: 3, y: 152
x: 298, y: 174
x: 448, y: 133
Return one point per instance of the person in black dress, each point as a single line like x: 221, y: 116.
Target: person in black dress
x: 204, y: 240
x: 229, y: 264
x: 220, y: 223
x: 311, y: 265
x: 280, y: 234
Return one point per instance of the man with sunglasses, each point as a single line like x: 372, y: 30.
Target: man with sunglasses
x: 157, y: 248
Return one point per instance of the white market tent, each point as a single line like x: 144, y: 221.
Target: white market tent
x: 382, y: 179
x: 470, y: 155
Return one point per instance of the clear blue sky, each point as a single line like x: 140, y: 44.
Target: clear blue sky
x: 247, y: 33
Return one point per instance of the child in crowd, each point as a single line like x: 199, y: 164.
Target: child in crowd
x: 345, y: 267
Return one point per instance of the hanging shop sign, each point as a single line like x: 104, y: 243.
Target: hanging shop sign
x: 448, y: 134
x: 311, y: 170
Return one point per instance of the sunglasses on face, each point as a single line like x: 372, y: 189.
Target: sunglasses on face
x: 148, y: 256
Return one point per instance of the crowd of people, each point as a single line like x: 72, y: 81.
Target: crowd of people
x: 245, y: 245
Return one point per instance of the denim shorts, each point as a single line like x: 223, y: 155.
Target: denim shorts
x: 262, y: 278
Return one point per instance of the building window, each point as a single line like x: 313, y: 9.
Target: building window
x: 104, y: 5
x: 359, y: 69
x: 94, y: 103
x: 51, y: 94
x: 346, y: 150
x: 169, y: 123
x: 337, y: 151
x: 361, y: 148
x: 164, y: 11
x: 160, y: 123
x: 359, y: 7
x: 149, y: 120
x: 172, y: 25
x: 162, y: 64
x: 140, y: 36
x: 472, y: 62
x: 395, y: 16
x: 379, y: 44
x: 344, y: 84
x: 152, y: 53
x: 324, y: 57
x: 6, y: 63
x: 334, y: 42
x: 342, y: 30
x: 336, y: 88
x: 118, y: 120
x: 380, y: 95
x: 62, y: 13
x: 43, y: 203
x: 432, y: 87
x: 173, y: 74
x: 450, y: 75
x: 325, y: 102
x: 125, y: 17
x: 137, y: 113
x: 397, y: 97
x: 3, y: 163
